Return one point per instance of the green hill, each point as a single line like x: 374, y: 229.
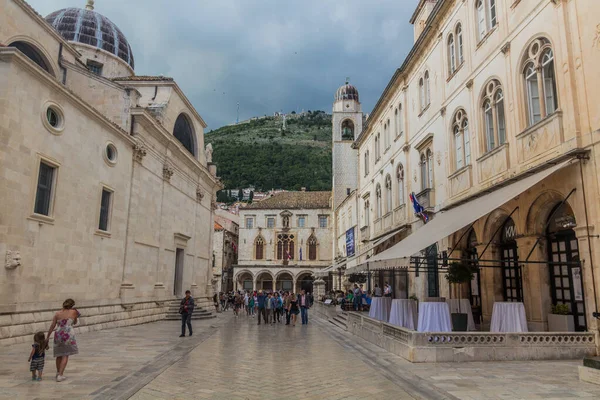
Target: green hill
x: 259, y: 153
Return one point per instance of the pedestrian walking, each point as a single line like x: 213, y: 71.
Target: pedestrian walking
x: 387, y: 291
x: 238, y: 302
x: 37, y: 357
x: 304, y: 303
x: 65, y: 344
x: 246, y: 303
x: 269, y: 308
x: 186, y: 308
x: 294, y: 311
x: 357, y: 299
x: 261, y: 307
x: 251, y: 305
x: 286, y: 306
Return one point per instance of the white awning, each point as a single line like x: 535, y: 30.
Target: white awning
x: 447, y: 222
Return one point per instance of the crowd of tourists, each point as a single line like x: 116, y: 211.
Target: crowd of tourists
x: 270, y: 307
x: 357, y: 298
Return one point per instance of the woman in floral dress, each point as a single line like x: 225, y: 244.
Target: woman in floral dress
x: 65, y: 344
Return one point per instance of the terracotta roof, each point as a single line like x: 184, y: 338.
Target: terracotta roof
x: 218, y: 227
x: 293, y: 200
x: 142, y: 78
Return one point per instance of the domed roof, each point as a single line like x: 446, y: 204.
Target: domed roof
x: 346, y: 92
x: 88, y: 27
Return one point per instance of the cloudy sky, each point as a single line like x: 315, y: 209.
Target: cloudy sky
x: 268, y: 55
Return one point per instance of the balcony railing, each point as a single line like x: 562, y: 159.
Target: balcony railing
x: 426, y: 198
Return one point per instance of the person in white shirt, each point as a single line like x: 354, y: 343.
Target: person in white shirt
x: 387, y: 291
x: 377, y: 291
x: 246, y: 303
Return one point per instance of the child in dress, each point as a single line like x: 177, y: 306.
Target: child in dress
x: 37, y: 356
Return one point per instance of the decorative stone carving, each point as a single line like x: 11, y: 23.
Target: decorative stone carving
x: 199, y: 194
x: 506, y: 48
x: 13, y: 259
x: 208, y: 152
x: 438, y: 157
x: 167, y: 172
x: 415, y: 175
x: 443, y: 111
x: 139, y: 152
x: 213, y: 203
x: 469, y: 84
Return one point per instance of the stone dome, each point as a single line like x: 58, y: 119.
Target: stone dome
x: 346, y: 92
x: 88, y: 27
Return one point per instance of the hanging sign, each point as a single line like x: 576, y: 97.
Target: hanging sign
x: 350, y: 242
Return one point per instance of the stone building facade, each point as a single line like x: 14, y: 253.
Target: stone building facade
x: 107, y: 194
x: 494, y: 98
x: 284, y: 240
x: 225, y: 249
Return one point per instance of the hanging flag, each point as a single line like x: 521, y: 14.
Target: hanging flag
x: 419, y: 210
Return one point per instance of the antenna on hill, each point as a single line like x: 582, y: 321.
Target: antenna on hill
x: 237, y: 120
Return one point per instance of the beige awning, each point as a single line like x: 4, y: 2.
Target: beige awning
x: 447, y: 222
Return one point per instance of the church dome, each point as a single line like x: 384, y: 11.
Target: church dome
x: 88, y: 27
x: 346, y: 92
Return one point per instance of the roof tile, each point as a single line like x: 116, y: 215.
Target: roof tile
x: 293, y: 200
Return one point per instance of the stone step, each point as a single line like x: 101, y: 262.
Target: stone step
x: 199, y: 312
x: 338, y: 323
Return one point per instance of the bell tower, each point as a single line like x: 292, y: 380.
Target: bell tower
x: 347, y: 125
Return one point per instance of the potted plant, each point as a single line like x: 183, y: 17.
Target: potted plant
x: 457, y: 274
x: 560, y: 319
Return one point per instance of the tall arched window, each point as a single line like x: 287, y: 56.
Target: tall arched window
x: 400, y: 179
x: 260, y: 248
x: 462, y: 140
x: 399, y: 121
x: 388, y: 194
x: 312, y: 248
x: 388, y: 134
x: 459, y: 43
x: 285, y: 247
x: 386, y: 139
x: 451, y: 54
x: 32, y: 53
x: 367, y: 212
x: 378, y: 146
x: 427, y: 89
x: 347, y: 130
x: 487, y: 17
x: 422, y: 93
x: 366, y: 162
x: 378, y: 199
x: 540, y: 81
x: 184, y: 132
x: 429, y: 168
x: 424, y: 178
x: 493, y: 115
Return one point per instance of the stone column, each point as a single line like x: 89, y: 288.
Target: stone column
x: 319, y: 289
x: 536, y: 287
x: 274, y: 284
x: 254, y: 284
x: 588, y: 280
x: 491, y: 281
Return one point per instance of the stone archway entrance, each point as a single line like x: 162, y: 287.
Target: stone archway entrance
x: 245, y: 281
x: 264, y: 281
x: 305, y: 282
x: 285, y: 282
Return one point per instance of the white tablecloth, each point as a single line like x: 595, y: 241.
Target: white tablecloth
x: 404, y: 313
x: 465, y: 308
x: 434, y: 317
x: 380, y: 308
x: 508, y: 317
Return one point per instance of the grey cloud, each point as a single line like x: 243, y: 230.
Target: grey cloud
x: 268, y: 55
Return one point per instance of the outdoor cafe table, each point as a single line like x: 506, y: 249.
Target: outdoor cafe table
x: 380, y: 308
x: 465, y: 308
x: 508, y: 317
x: 434, y: 317
x: 404, y: 313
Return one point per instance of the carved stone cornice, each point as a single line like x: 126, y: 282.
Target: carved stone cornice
x: 139, y: 152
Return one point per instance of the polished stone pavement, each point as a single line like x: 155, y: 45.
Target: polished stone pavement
x: 233, y: 358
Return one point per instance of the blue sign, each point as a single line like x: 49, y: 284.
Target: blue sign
x: 350, y: 242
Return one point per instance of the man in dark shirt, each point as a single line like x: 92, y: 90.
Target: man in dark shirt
x: 261, y: 307
x: 186, y: 308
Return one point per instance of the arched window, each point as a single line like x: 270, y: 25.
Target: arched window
x: 386, y: 139
x: 460, y: 46
x: 540, y: 81
x: 451, y: 54
x: 424, y: 178
x: 285, y: 247
x: 367, y: 212
x: 388, y: 194
x: 400, y: 178
x: 347, y: 130
x: 32, y: 53
x: 427, y: 91
x: 422, y: 93
x: 184, y: 132
x: 366, y: 162
x: 378, y: 198
x: 462, y: 140
x: 260, y: 248
x: 399, y: 121
x: 429, y: 169
x: 487, y: 17
x: 388, y: 134
x: 378, y: 146
x: 312, y: 248
x: 493, y: 115
x: 376, y: 149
